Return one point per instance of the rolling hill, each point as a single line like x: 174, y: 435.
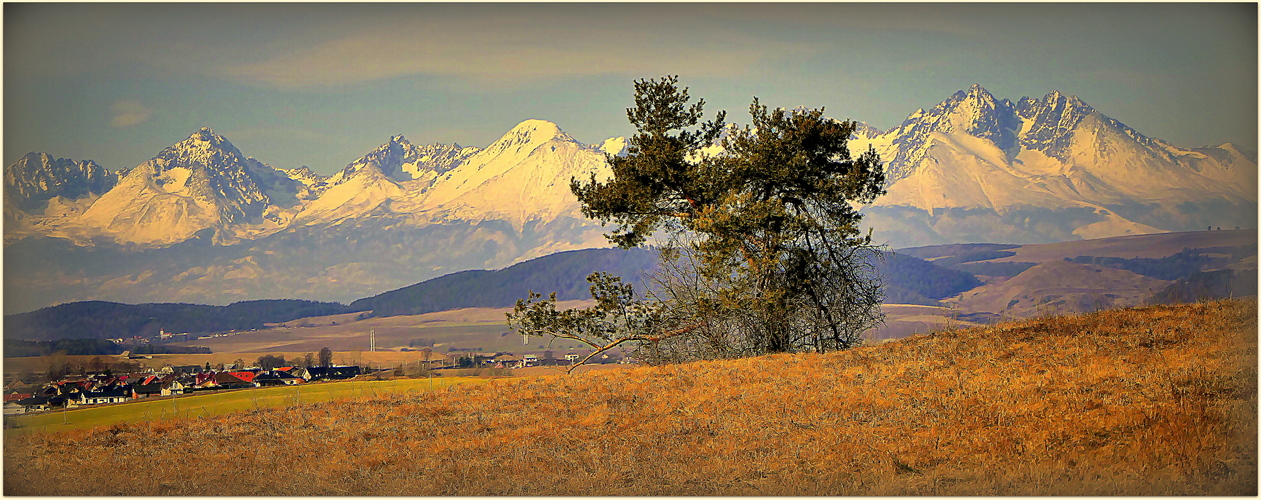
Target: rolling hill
x: 1152, y: 401
x: 908, y: 280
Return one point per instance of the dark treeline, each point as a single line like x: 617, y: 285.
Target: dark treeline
x: 171, y: 349
x: 103, y: 320
x: 1211, y: 285
x: 909, y: 280
x: 1180, y: 265
x: 16, y: 348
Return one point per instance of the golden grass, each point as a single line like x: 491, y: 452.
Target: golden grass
x: 1153, y: 401
x: 220, y: 403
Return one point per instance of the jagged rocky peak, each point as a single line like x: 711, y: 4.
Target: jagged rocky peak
x: 216, y: 170
x: 862, y: 129
x: 973, y: 112
x: 303, y: 174
x: 203, y: 148
x: 204, y: 134
x: 37, y: 177
x: 401, y: 160
x: 1054, y: 107
x: 1053, y: 119
x: 978, y: 113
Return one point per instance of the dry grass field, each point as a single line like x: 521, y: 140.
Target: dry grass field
x: 1151, y: 401
x: 484, y: 327
x: 904, y: 320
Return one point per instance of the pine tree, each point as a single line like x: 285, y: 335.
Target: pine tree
x: 761, y: 240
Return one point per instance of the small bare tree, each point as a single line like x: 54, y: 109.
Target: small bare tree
x: 618, y: 317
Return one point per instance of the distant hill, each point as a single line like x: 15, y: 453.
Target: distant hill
x: 1149, y: 246
x: 102, y: 320
x: 1062, y: 287
x: 1027, y: 280
x: 564, y: 273
x: 907, y: 281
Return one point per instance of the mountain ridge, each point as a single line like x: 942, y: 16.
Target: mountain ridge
x: 978, y: 169
x: 974, y: 168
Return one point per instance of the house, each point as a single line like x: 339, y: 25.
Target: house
x: 234, y: 380
x: 12, y: 408
x: 17, y: 396
x: 506, y: 360
x: 529, y: 360
x: 35, y: 403
x: 246, y: 375
x: 147, y: 390
x: 205, y: 380
x: 64, y: 401
x: 174, y: 384
x: 332, y: 372
x: 275, y: 378
x: 114, y: 395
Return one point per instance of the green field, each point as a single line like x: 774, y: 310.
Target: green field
x: 198, y: 405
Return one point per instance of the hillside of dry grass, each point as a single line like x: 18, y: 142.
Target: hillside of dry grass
x: 1159, y: 400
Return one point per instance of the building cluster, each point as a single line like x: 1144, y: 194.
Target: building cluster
x: 546, y: 358
x: 101, y: 388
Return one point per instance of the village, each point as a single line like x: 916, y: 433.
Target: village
x: 94, y: 385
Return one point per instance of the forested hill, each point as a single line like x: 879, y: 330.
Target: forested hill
x: 564, y: 273
x: 907, y: 280
x: 102, y: 320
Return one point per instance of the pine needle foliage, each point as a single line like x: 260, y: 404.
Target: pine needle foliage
x: 764, y: 228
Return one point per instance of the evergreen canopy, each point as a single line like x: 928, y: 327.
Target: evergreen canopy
x: 759, y: 226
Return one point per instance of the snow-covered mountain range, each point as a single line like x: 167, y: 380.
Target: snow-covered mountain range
x: 206, y: 183
x: 201, y: 222
x: 978, y: 169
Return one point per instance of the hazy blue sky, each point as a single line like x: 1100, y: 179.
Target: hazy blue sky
x: 321, y: 84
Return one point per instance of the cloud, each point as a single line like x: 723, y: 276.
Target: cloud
x: 129, y: 112
x: 508, y: 53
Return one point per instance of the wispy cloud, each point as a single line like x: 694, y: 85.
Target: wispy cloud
x: 507, y: 54
x: 129, y: 112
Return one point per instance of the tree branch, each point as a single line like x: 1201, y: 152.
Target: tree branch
x: 631, y: 338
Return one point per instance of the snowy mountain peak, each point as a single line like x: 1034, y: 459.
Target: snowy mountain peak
x: 528, y: 135
x: 976, y: 91
x: 615, y: 146
x: 203, y: 147
x: 204, y: 134
x: 1051, y: 121
x: 972, y: 112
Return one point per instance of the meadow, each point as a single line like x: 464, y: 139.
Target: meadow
x: 1147, y: 401
x: 215, y: 403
